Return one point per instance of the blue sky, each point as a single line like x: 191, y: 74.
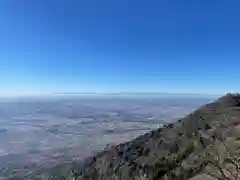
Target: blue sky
x: 114, y: 46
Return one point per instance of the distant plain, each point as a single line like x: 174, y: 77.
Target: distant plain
x: 47, y: 131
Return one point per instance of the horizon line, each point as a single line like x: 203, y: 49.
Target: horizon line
x: 108, y: 93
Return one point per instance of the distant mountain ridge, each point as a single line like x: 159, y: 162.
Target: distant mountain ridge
x: 176, y: 151
x: 163, y: 94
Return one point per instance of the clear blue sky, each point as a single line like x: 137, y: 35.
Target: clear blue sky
x: 119, y: 45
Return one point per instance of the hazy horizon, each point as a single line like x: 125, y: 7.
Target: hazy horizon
x: 110, y: 94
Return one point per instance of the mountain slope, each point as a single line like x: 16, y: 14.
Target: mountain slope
x: 176, y: 151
